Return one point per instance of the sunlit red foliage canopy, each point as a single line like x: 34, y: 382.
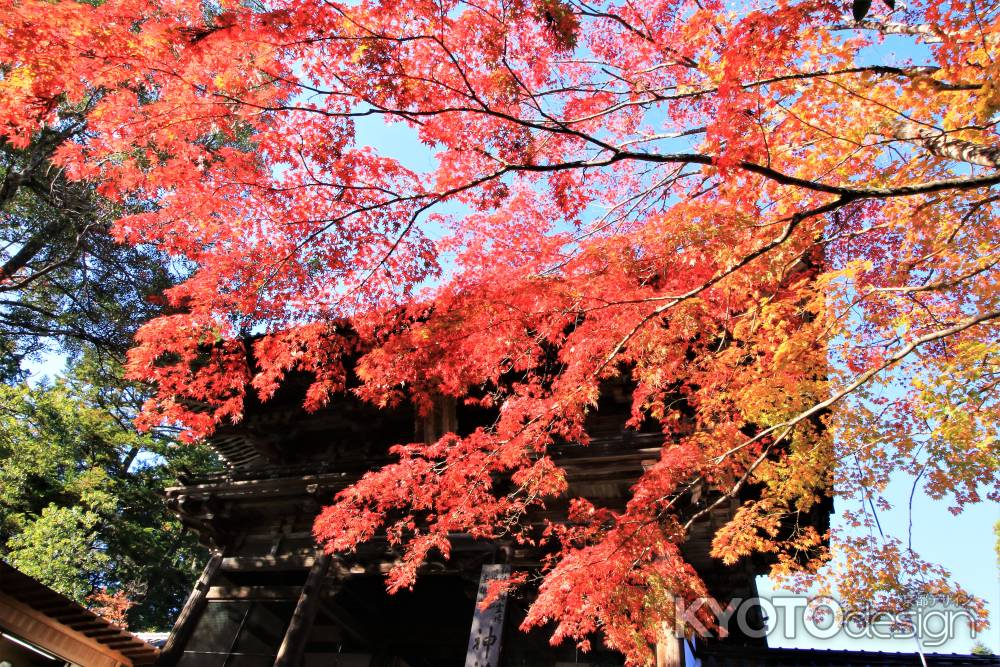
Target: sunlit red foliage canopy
x: 754, y: 209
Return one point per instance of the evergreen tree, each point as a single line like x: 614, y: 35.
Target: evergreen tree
x: 80, y: 503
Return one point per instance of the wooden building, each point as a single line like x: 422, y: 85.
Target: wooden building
x: 41, y: 628
x: 270, y: 596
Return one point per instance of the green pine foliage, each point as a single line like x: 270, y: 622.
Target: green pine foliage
x: 80, y: 503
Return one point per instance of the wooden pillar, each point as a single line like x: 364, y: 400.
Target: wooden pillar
x: 669, y: 651
x: 442, y: 419
x: 190, y: 613
x: 293, y: 645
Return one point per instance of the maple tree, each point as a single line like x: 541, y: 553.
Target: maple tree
x: 783, y: 236
x: 111, y: 606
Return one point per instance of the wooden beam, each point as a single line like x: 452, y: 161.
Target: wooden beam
x: 190, y: 614
x: 73, y: 617
x: 259, y: 563
x: 254, y: 592
x: 39, y: 602
x: 103, y: 631
x: 294, y: 644
x: 88, y: 625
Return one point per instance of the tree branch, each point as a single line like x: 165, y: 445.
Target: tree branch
x: 939, y: 143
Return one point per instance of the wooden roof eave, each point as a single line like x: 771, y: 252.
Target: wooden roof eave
x: 31, y: 610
